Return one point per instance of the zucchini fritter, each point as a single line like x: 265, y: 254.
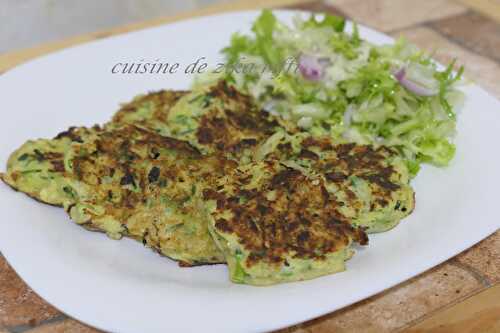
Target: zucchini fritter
x: 276, y: 224
x: 125, y: 181
x: 37, y: 168
x: 372, y: 184
x: 139, y: 184
x: 152, y: 107
x: 215, y: 119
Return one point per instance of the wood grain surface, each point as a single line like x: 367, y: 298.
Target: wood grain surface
x: 460, y: 295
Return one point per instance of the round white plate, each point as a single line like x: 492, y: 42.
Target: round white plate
x: 120, y: 286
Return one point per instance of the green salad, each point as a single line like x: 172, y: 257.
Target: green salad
x: 332, y: 82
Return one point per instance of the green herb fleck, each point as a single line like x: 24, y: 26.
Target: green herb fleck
x: 23, y: 157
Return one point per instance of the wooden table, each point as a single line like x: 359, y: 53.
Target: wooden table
x: 460, y: 295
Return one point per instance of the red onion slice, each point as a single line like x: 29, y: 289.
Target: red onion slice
x: 414, y: 87
x: 312, y: 68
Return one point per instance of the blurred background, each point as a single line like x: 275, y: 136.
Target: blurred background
x: 25, y: 23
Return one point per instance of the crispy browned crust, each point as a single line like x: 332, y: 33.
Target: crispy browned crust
x: 412, y: 208
x: 237, y: 125
x: 187, y: 265
x: 301, y: 219
x: 231, y: 122
x: 162, y: 100
x: 366, y: 162
x: 90, y: 227
x: 129, y: 166
x: 121, y: 156
x: 340, y: 161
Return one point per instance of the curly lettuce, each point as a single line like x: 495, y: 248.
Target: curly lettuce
x: 359, y: 98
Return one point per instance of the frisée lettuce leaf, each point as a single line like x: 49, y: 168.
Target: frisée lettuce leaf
x: 392, y: 95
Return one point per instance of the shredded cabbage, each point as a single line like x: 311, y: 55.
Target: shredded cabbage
x: 358, y: 99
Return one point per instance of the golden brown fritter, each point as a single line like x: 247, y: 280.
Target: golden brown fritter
x: 215, y: 119
x: 371, y: 183
x: 37, y: 168
x: 136, y: 183
x: 153, y: 106
x: 277, y: 224
x: 233, y: 121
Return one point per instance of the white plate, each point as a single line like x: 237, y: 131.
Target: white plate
x: 121, y: 287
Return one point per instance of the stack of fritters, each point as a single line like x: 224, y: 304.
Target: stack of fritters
x: 206, y: 177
